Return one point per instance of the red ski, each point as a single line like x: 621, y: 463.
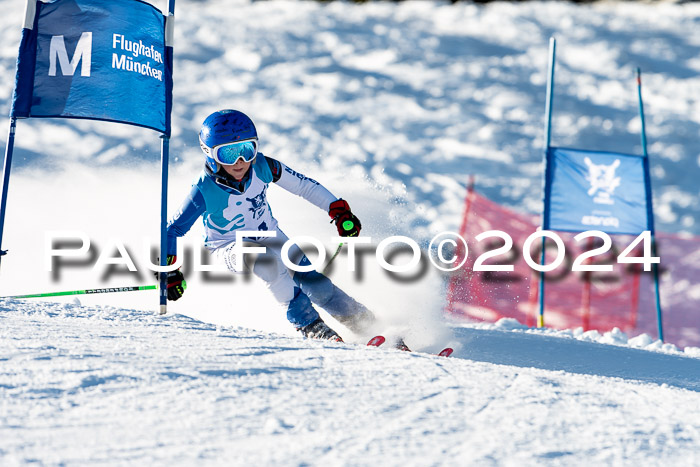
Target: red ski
x: 376, y: 341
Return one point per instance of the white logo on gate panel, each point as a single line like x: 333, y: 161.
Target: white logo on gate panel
x: 82, y: 55
x: 603, y: 181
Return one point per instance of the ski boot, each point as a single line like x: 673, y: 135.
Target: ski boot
x: 401, y: 345
x: 320, y: 330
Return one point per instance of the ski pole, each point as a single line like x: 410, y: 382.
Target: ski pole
x: 337, y: 250
x: 86, y: 291
x: 347, y: 225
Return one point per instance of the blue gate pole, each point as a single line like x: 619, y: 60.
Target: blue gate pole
x: 9, y: 149
x: 547, y: 139
x: 164, y: 160
x: 650, y: 209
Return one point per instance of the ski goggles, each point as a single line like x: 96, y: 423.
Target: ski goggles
x: 230, y: 153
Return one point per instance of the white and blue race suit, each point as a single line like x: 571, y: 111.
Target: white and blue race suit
x: 227, y: 205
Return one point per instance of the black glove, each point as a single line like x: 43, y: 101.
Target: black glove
x: 176, y: 281
x: 346, y: 222
x: 176, y: 284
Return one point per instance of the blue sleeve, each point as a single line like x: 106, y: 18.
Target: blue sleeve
x: 189, y: 212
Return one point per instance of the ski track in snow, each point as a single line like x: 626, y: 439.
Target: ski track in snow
x: 103, y: 385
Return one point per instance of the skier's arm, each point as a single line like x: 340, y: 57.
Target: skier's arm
x: 300, y: 185
x: 189, y: 212
x: 347, y: 223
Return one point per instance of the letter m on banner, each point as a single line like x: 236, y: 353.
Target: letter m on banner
x: 83, y: 53
x: 97, y: 60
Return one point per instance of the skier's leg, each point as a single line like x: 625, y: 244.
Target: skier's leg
x: 300, y: 312
x: 324, y: 293
x: 269, y: 267
x: 272, y: 271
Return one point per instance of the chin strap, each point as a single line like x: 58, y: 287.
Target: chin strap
x: 225, y: 180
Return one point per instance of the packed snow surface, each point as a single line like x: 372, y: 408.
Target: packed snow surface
x: 392, y: 106
x: 102, y: 385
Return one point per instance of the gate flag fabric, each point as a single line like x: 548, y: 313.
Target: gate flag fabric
x: 595, y: 190
x: 94, y: 60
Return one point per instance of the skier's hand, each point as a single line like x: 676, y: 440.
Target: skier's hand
x: 346, y: 222
x: 176, y: 284
x: 176, y: 281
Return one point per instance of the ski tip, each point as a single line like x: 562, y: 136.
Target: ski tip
x: 446, y: 352
x: 376, y: 341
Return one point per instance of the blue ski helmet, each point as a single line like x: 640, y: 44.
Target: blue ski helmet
x: 222, y: 127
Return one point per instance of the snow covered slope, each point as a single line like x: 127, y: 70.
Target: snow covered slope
x: 102, y: 385
x: 392, y: 106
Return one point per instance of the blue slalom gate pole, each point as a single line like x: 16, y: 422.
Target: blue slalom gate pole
x: 650, y: 209
x: 547, y: 139
x: 165, y: 156
x: 9, y: 149
x: 164, y: 160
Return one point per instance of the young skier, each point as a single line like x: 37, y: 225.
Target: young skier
x: 230, y: 195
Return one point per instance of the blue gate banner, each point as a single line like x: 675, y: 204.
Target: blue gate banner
x: 101, y: 60
x: 594, y: 190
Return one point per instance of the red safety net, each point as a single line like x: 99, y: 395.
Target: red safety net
x: 623, y: 298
